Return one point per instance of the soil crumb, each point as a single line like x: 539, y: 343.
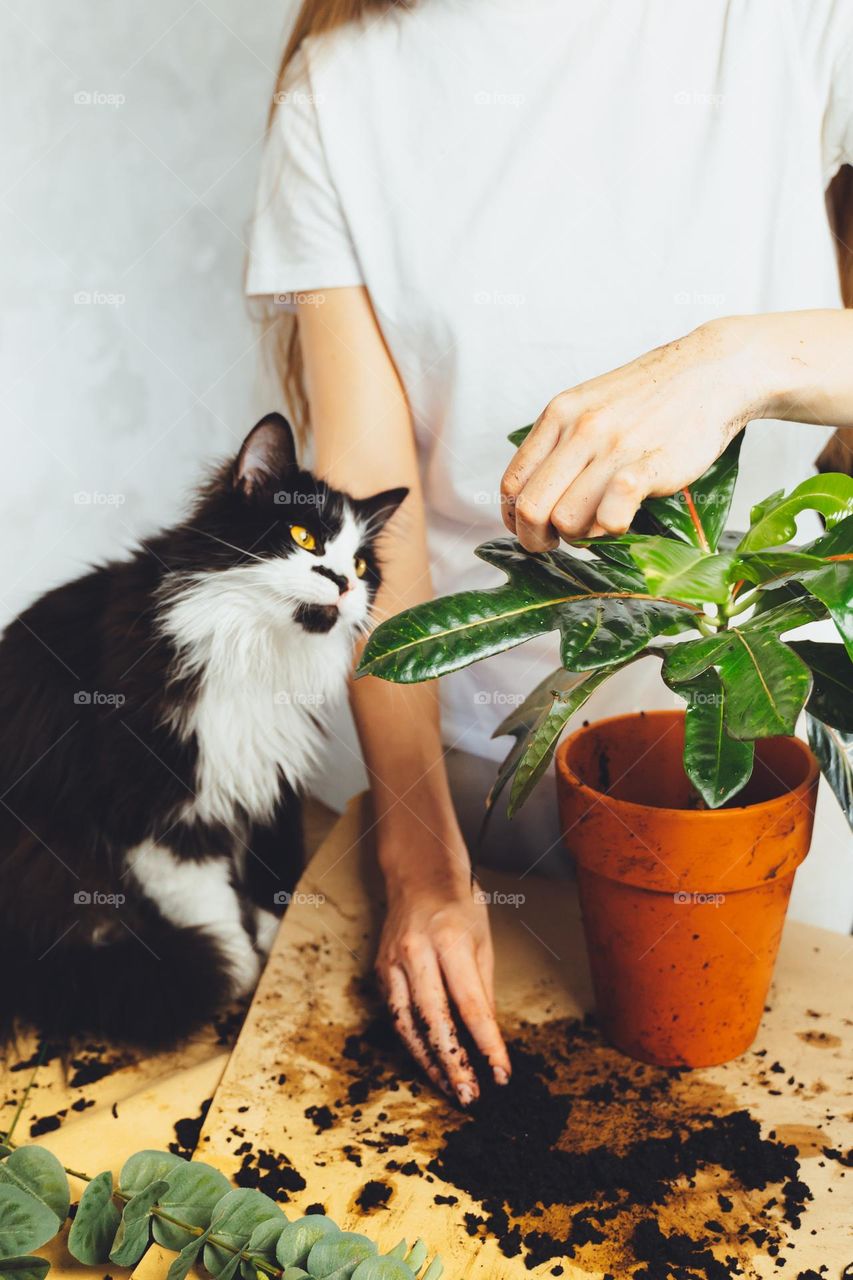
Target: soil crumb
x: 187, y: 1131
x: 373, y: 1195
x: 269, y: 1171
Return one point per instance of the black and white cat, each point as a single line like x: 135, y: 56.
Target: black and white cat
x: 158, y: 718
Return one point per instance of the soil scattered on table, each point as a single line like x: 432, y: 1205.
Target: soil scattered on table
x: 269, y: 1171
x: 373, y: 1195
x: 587, y: 1155
x: 187, y: 1132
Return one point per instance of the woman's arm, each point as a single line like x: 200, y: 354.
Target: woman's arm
x: 655, y: 425
x: 436, y: 939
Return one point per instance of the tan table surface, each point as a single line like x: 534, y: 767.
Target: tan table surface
x: 310, y: 998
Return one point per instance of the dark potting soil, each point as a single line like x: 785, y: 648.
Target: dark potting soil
x: 96, y: 1063
x: 373, y: 1195
x: 187, y: 1132
x: 588, y: 1155
x: 270, y: 1172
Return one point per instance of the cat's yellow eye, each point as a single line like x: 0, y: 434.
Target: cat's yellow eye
x: 360, y: 567
x: 302, y: 537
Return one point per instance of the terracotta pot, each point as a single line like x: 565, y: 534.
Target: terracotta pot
x: 683, y: 907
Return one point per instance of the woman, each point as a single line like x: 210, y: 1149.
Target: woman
x: 476, y: 210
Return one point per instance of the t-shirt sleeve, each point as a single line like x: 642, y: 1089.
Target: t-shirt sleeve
x: 838, y: 122
x: 299, y: 238
x: 824, y: 36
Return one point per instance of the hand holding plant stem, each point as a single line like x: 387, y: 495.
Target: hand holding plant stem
x: 654, y: 426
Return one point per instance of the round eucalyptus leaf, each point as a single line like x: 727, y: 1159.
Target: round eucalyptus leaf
x: 25, y: 1222
x: 134, y: 1230
x: 298, y: 1238
x: 233, y: 1220
x: 337, y: 1257
x: 383, y: 1269
x: 37, y: 1170
x: 294, y: 1273
x: 24, y: 1268
x: 417, y: 1255
x: 146, y: 1167
x: 194, y: 1190
x: 262, y: 1243
x: 95, y: 1222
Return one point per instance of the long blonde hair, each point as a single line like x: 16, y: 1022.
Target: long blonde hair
x: 281, y: 334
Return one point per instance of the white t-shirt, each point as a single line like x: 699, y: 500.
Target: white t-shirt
x: 536, y: 191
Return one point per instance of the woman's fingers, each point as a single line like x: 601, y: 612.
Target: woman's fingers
x: 621, y: 499
x: 398, y: 996
x: 430, y: 1000
x: 535, y: 449
x: 574, y: 514
x: 466, y: 986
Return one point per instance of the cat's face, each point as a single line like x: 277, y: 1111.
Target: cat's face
x: 308, y: 551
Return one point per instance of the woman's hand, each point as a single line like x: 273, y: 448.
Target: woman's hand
x: 436, y: 948
x: 647, y: 429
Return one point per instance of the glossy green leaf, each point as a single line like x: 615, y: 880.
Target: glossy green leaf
x: 832, y: 690
x: 784, y: 610
x: 518, y: 437
x: 766, y: 684
x: 681, y: 572
x: 616, y: 550
x: 599, y: 622
x: 698, y: 514
x: 95, y: 1222
x: 336, y: 1257
x: 774, y: 521
x: 758, y: 567
x: 134, y: 1230
x: 25, y: 1222
x: 837, y: 541
x: 542, y: 742
x: 233, y: 1220
x: 37, y: 1170
x: 180, y: 1267
x: 833, y: 586
x: 834, y: 751
x: 521, y: 724
x: 298, y: 1238
x: 194, y: 1190
x: 434, y: 1271
x: 24, y: 1268
x: 717, y: 764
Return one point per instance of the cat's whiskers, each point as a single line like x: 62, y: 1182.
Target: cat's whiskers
x: 240, y: 550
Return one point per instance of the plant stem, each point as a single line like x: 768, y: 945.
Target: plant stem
x: 738, y: 606
x: 7, y: 1140
x: 260, y: 1264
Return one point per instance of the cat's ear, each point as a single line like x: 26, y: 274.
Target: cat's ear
x: 375, y: 512
x: 267, y: 455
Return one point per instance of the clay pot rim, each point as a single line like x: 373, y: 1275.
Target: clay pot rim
x: 568, y: 777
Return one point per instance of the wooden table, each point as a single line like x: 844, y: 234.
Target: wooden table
x: 312, y: 996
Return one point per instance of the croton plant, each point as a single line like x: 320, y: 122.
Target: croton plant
x: 717, y: 608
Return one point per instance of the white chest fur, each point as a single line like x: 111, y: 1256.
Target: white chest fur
x: 265, y: 687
